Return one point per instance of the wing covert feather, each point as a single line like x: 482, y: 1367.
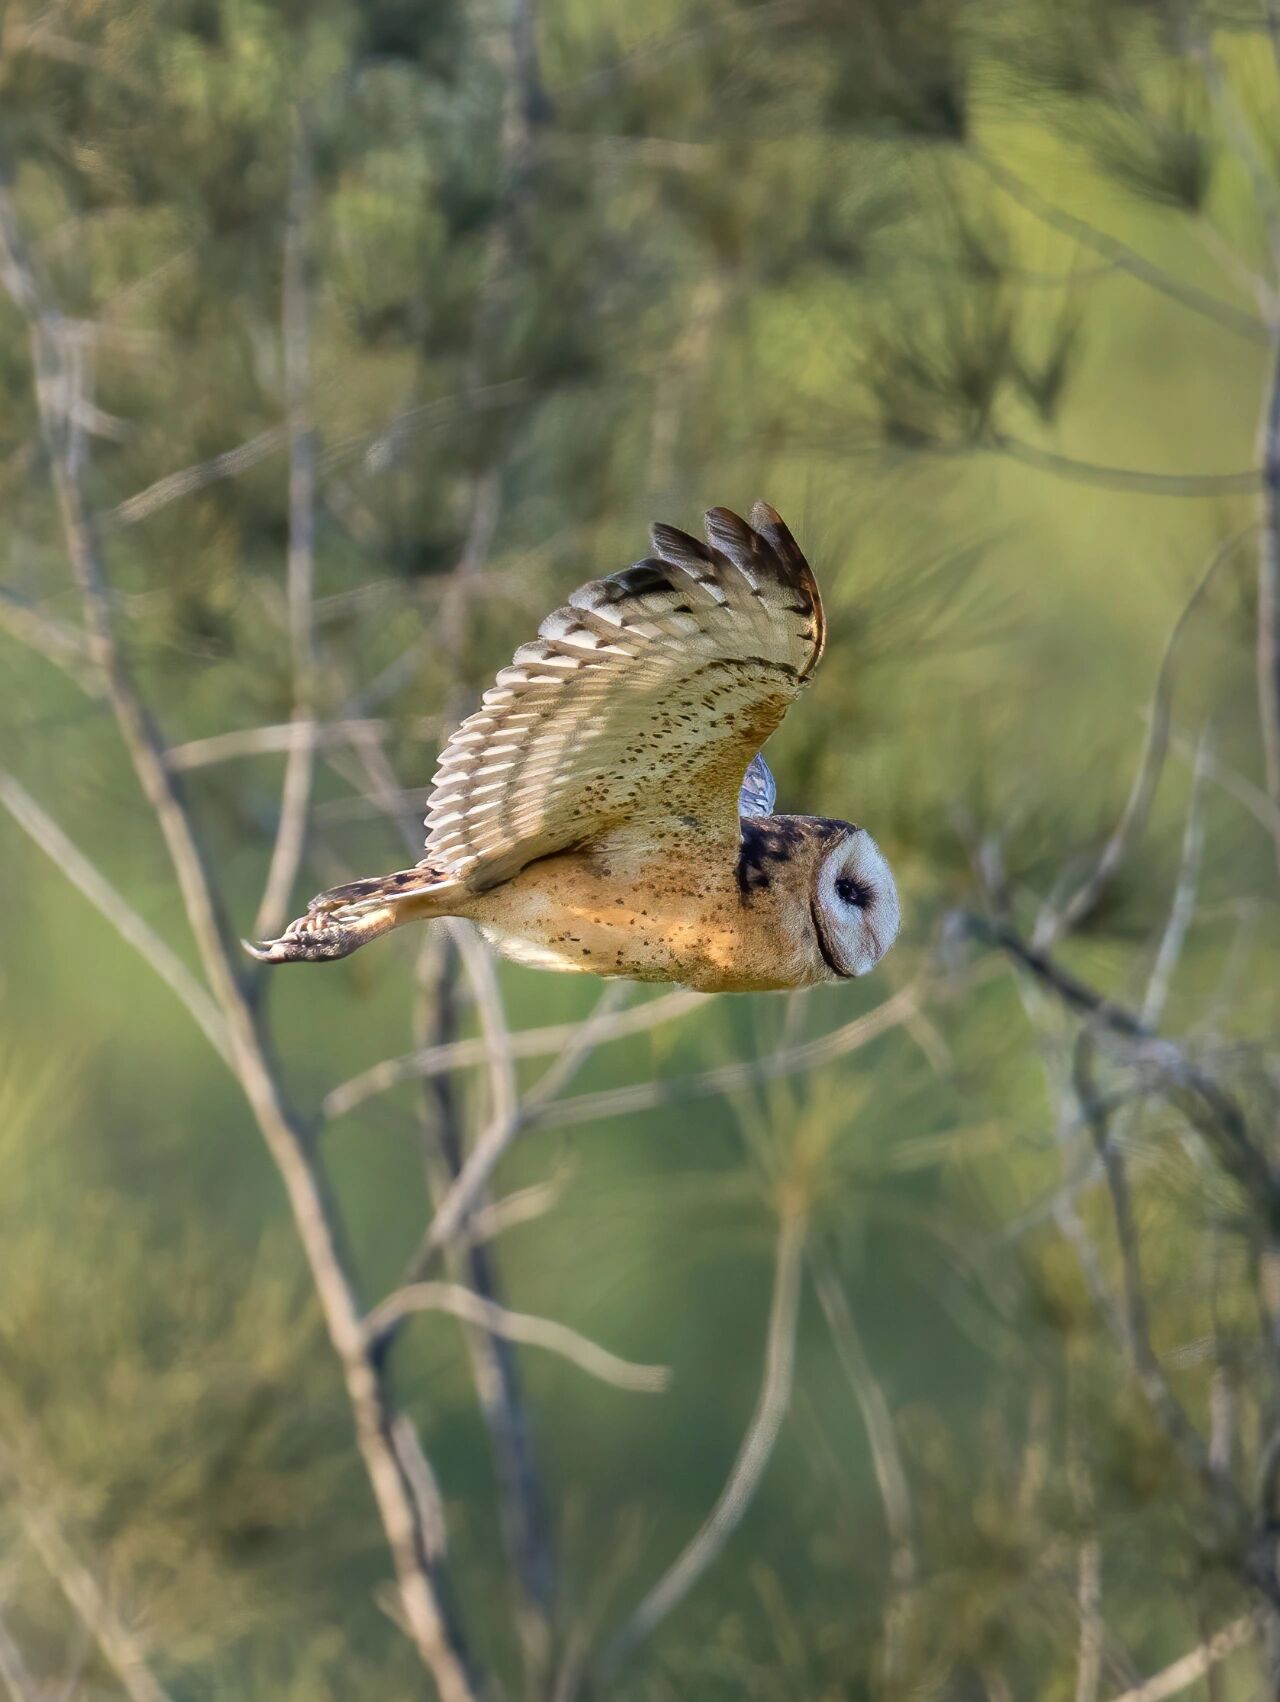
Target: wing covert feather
x: 643, y: 699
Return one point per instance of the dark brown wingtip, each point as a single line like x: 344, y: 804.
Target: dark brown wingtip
x: 768, y: 524
x: 771, y: 527
x: 729, y: 533
x: 669, y: 543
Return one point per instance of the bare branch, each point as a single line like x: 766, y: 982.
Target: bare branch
x: 886, y: 1457
x: 1234, y: 784
x: 495, y: 1036
x: 525, y: 1205
x: 1111, y: 248
x: 277, y: 736
x: 1244, y: 143
x: 120, y: 1648
x: 1089, y: 1604
x: 495, y: 1370
x: 1271, y: 12
x: 1268, y: 639
x: 1150, y: 1373
x: 57, y: 641
x: 472, y: 1308
x: 1134, y: 479
x: 379, y: 448
x: 485, y: 1155
x: 14, y: 1672
x: 299, y: 774
x: 748, y: 1468
x: 88, y: 879
x: 174, y: 486
x: 1182, y: 910
x: 1182, y: 1674
x: 435, y: 1637
x: 730, y: 1078
x: 526, y: 1043
x: 1212, y: 1112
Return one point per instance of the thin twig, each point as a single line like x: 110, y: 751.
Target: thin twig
x: 472, y: 1308
x: 1146, y: 1366
x: 894, y: 1012
x: 279, y: 736
x: 54, y: 639
x: 748, y: 1468
x: 1268, y: 639
x: 1244, y: 143
x: 525, y: 1205
x: 494, y: 1140
x: 15, y: 1675
x: 120, y: 1648
x: 299, y: 774
x: 1137, y: 480
x: 886, y: 1456
x: 1111, y: 248
x: 525, y: 1043
x: 1089, y: 1605
x: 95, y: 886
x: 1181, y: 1674
x: 1173, y: 939
x: 1207, y: 1106
x: 174, y: 486
x: 495, y: 1371
x: 434, y: 1635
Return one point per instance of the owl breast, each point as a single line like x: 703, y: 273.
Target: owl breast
x: 670, y: 915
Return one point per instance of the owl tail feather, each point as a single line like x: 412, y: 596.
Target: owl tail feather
x: 343, y: 919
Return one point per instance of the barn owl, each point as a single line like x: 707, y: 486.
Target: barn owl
x: 607, y: 808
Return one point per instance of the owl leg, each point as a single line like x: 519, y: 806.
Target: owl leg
x: 343, y: 919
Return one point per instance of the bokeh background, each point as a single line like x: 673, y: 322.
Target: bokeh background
x: 981, y: 296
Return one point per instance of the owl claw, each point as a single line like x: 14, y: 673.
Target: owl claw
x: 313, y: 947
x: 322, y: 935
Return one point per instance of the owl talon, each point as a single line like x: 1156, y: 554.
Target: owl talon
x: 330, y: 931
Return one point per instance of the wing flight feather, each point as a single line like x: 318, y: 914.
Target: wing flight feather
x: 642, y: 700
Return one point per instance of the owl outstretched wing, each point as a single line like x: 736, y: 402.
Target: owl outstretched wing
x: 641, y: 702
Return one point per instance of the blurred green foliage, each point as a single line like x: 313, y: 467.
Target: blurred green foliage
x: 742, y: 250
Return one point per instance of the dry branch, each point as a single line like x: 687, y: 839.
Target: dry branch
x: 444, y: 1058
x: 299, y: 773
x: 1181, y: 1674
x: 894, y: 1012
x: 1150, y: 1374
x: 1060, y: 920
x: 1128, y: 259
x: 1268, y: 640
x: 54, y: 639
x: 748, y: 1468
x: 451, y: 1218
x: 495, y: 1371
x: 1211, y: 1111
x: 14, y: 1673
x: 174, y: 486
x: 886, y: 1457
x: 88, y: 879
x: 430, y: 1624
x: 472, y: 1308
x: 120, y: 1648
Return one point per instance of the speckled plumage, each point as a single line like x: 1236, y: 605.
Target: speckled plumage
x: 606, y: 808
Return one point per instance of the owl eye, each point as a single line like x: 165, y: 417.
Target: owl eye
x: 854, y: 892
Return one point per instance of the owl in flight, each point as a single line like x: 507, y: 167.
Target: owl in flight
x: 607, y: 809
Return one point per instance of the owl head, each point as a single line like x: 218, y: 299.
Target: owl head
x: 854, y: 904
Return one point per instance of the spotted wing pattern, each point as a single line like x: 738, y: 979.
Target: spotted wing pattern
x: 641, y: 701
